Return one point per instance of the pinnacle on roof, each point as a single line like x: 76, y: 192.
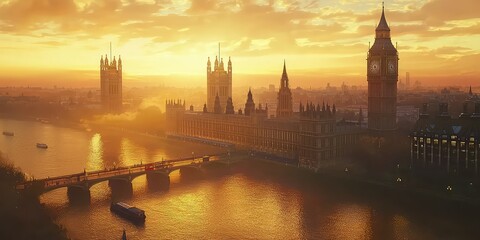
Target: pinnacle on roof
x: 383, y: 25
x: 284, y: 74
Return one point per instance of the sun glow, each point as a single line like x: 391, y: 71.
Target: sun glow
x: 327, y: 39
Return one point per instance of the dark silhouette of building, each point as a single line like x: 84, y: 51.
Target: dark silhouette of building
x: 111, y: 84
x: 249, y: 105
x: 229, y: 109
x: 217, y: 108
x: 448, y: 144
x: 284, y: 107
x: 219, y: 82
x: 382, y: 77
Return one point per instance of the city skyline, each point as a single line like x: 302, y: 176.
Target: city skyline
x: 323, y: 41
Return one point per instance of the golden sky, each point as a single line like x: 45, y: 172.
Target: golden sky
x: 322, y: 40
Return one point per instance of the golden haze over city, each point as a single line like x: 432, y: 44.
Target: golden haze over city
x: 59, y: 42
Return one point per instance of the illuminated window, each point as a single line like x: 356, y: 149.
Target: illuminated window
x: 429, y: 140
x: 453, y: 143
x: 435, y: 141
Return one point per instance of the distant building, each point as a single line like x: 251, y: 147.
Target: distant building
x: 219, y: 83
x: 111, y: 84
x: 312, y: 137
x: 382, y: 77
x: 271, y: 88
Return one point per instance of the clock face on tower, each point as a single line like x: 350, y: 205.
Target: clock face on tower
x: 392, y: 68
x: 374, y: 67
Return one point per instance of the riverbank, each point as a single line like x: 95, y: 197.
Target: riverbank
x: 23, y: 216
x: 395, y: 191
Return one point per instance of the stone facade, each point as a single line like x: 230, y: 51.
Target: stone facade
x: 111, y: 84
x: 219, y: 82
x: 312, y: 137
x: 450, y: 145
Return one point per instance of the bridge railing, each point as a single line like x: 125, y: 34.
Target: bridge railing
x: 77, y: 178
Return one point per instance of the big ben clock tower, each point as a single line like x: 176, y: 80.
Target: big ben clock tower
x: 382, y: 77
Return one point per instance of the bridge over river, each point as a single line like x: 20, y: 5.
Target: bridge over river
x: 84, y: 180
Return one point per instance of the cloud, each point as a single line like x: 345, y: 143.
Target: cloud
x: 246, y: 28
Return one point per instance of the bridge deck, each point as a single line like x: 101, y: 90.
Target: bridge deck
x: 112, y: 173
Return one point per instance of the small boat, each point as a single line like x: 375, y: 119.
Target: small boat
x: 124, y: 235
x: 42, y: 145
x: 7, y: 133
x: 131, y: 213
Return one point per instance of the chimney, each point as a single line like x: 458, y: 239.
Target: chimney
x: 424, y: 111
x: 465, y: 113
x: 444, y: 110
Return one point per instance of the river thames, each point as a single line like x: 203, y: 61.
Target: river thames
x: 236, y: 204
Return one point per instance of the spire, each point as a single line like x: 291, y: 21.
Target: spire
x: 249, y: 105
x: 205, y: 108
x: 470, y: 92
x: 382, y: 25
x: 284, y: 80
x: 217, y: 107
x: 119, y: 62
x: 230, y: 67
x: 229, y: 108
x: 284, y: 68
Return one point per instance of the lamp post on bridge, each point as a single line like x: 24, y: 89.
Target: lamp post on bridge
x: 193, y: 156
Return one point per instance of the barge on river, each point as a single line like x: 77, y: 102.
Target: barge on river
x: 131, y: 213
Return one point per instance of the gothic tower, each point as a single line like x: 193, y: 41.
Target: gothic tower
x: 284, y: 99
x: 250, y: 104
x: 219, y: 82
x: 382, y: 77
x: 111, y: 84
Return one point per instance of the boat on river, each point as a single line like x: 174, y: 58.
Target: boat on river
x: 129, y: 212
x: 7, y: 133
x: 42, y: 145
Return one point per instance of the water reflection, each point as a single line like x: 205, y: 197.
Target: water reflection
x: 96, y: 153
x: 237, y: 205
x: 350, y: 222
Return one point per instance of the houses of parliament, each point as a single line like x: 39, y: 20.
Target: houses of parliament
x: 312, y: 136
